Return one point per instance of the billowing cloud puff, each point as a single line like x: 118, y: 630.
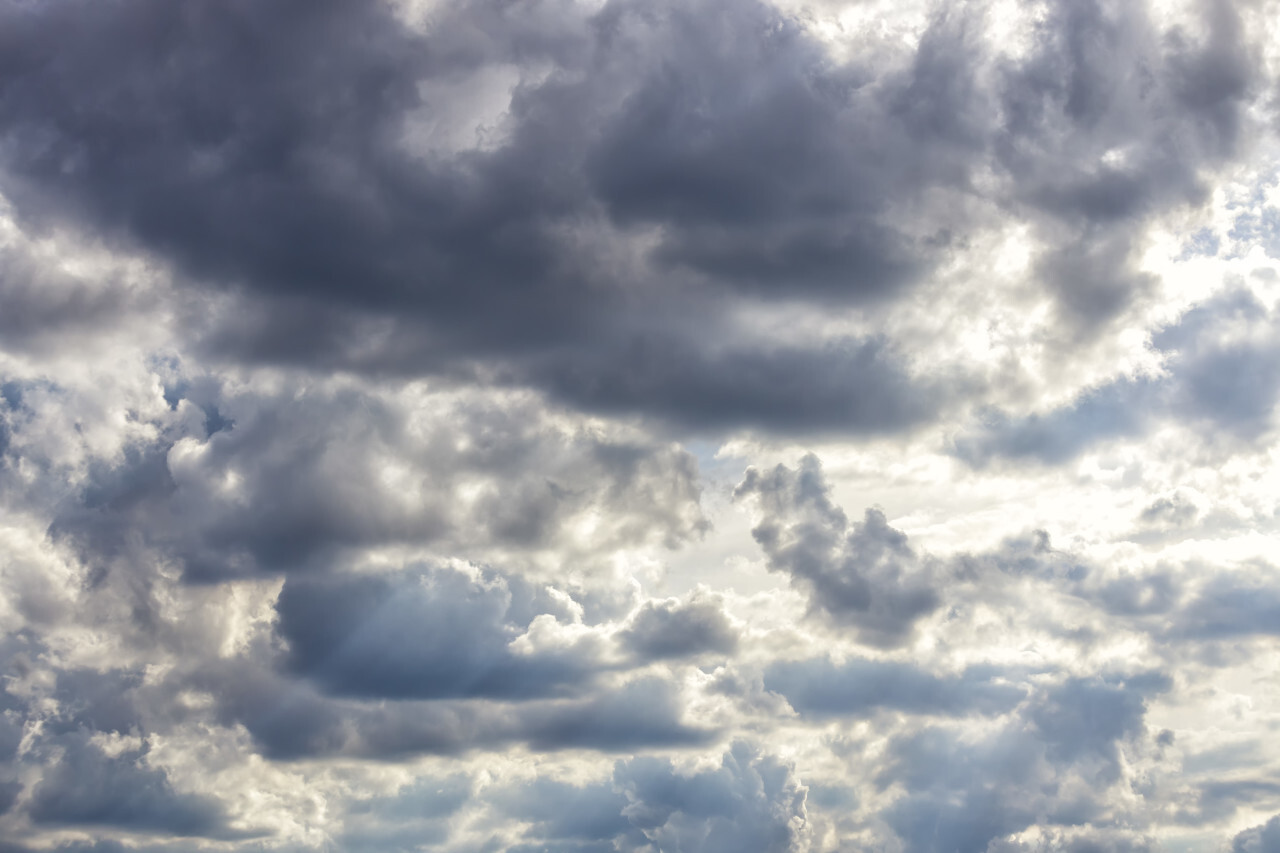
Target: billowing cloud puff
x: 862, y: 574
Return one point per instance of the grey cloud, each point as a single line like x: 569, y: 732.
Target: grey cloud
x: 1086, y: 718
x: 1047, y: 766
x: 1233, y: 389
x: 89, y: 700
x: 1224, y: 382
x: 722, y: 134
x: 89, y: 788
x: 46, y: 308
x: 751, y: 803
x: 9, y: 792
x: 1094, y: 279
x: 101, y: 846
x: 289, y: 720
x: 352, y: 229
x: 1175, y: 510
x: 1230, y: 605
x: 855, y: 385
x: 859, y: 687
x: 862, y: 575
x: 417, y: 814
x: 675, y: 628
x: 644, y: 712
x: 1103, y: 81
x: 1087, y: 841
x: 732, y: 87
x: 1155, y: 592
x: 306, y: 484
x: 418, y: 634
x: 1221, y: 799
x: 1222, y: 385
x: 561, y: 811
x: 1258, y: 839
x: 1115, y: 411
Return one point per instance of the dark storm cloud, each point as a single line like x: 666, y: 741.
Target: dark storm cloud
x: 418, y: 634
x: 211, y: 135
x: 862, y: 575
x: 260, y: 168
x: 675, y: 629
x: 236, y: 135
x: 851, y: 385
x: 859, y: 687
x: 732, y: 88
x: 1222, y: 379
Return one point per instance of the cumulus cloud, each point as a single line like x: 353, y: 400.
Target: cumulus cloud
x: 822, y: 688
x: 674, y: 628
x: 1047, y: 766
x: 88, y: 788
x: 1258, y: 839
x: 296, y: 481
x: 418, y: 635
x: 375, y: 379
x: 862, y: 574
x: 1219, y: 379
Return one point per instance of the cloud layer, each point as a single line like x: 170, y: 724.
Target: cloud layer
x: 636, y: 426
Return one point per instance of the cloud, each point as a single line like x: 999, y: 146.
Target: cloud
x: 1230, y: 605
x: 89, y: 788
x: 1219, y: 380
x: 751, y: 802
x: 292, y: 721
x: 675, y: 628
x: 348, y: 202
x: 1258, y: 839
x: 563, y: 811
x: 747, y: 800
x: 296, y: 481
x: 425, y: 635
x: 861, y: 575
x: 1048, y: 766
x: 374, y: 379
x: 417, y: 814
x: 860, y: 687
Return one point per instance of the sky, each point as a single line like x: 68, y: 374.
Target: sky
x: 605, y: 426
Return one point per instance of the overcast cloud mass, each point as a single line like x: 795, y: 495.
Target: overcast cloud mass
x: 606, y: 426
